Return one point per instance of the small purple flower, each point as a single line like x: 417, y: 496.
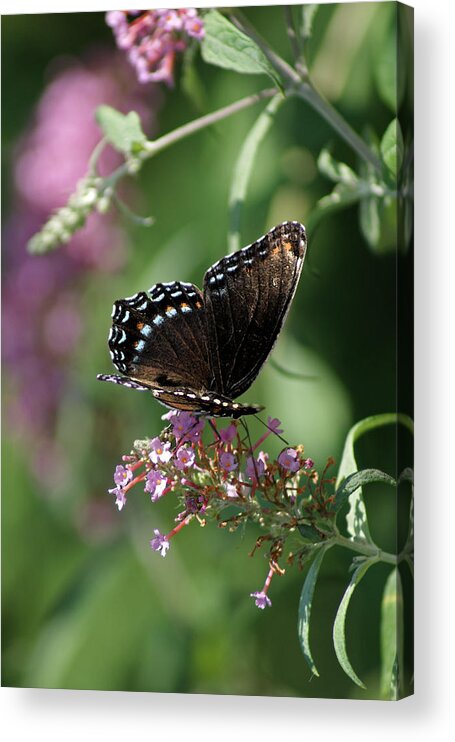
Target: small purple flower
x: 228, y: 434
x: 160, y: 452
x: 122, y: 475
x: 228, y: 462
x: 193, y: 25
x: 261, y: 599
x: 185, y: 425
x: 194, y: 504
x: 274, y: 424
x: 231, y: 490
x: 120, y: 497
x: 308, y: 463
x: 255, y: 468
x: 289, y: 460
x: 159, y: 543
x: 155, y: 484
x: 185, y: 458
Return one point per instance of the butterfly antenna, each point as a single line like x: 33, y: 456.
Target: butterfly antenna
x: 217, y: 435
x: 272, y: 430
x: 245, y: 426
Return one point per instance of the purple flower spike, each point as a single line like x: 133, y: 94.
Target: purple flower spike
x: 289, y: 460
x: 160, y: 452
x: 308, y: 463
x: 152, y: 38
x: 159, y: 543
x: 262, y: 600
x: 228, y: 462
x: 155, y: 484
x: 185, y: 458
x: 122, y: 476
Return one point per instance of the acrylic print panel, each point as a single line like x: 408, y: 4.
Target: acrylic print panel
x: 253, y: 536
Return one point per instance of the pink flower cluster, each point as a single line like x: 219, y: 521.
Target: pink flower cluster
x: 152, y: 39
x: 210, y: 479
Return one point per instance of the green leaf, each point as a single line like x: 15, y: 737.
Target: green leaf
x: 244, y: 166
x: 386, y: 69
x: 308, y: 15
x: 390, y: 85
x: 190, y: 81
x: 392, y: 637
x: 124, y: 132
x: 356, y: 480
x: 226, y: 46
x: 334, y: 170
x: 309, y: 532
x: 370, y: 221
x: 392, y: 147
x: 306, y: 601
x: 356, y: 519
x: 339, y: 636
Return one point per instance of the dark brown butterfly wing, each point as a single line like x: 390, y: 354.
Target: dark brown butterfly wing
x: 247, y: 297
x: 159, y: 339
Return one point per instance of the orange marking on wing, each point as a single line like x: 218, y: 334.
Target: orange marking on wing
x: 183, y: 305
x: 139, y: 325
x: 287, y: 246
x: 198, y: 304
x: 276, y: 250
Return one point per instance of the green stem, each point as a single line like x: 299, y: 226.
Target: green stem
x: 366, y: 549
x: 153, y: 147
x: 304, y: 89
x: 308, y: 92
x: 244, y: 166
x: 294, y: 40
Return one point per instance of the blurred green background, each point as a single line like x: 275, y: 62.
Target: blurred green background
x: 86, y: 604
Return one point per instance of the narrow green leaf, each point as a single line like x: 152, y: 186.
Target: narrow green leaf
x: 306, y: 601
x: 309, y: 532
x: 124, y: 132
x: 386, y: 69
x: 392, y: 147
x: 244, y: 166
x: 392, y: 637
x: 407, y: 475
x: 142, y: 221
x: 370, y: 221
x: 339, y: 636
x: 356, y: 480
x: 342, y: 195
x: 191, y: 82
x: 226, y: 46
x: 391, y: 86
x: 308, y: 15
x: 356, y: 519
x: 334, y: 170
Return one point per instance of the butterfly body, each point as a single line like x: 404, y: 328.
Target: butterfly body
x: 199, y: 350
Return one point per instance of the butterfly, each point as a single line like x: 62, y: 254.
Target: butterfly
x: 200, y: 350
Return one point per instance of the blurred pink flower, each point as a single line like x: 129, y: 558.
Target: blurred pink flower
x: 53, y: 154
x: 43, y: 316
